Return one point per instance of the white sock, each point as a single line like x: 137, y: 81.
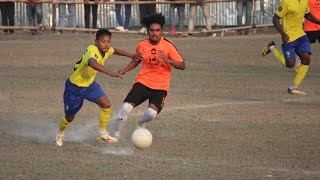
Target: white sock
x: 122, y: 116
x: 272, y: 47
x: 148, y: 115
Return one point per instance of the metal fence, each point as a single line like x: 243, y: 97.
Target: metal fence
x: 223, y: 14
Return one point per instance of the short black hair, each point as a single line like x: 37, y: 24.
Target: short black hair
x: 102, y: 32
x: 157, y: 18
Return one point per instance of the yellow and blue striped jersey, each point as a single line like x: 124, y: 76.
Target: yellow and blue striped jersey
x: 83, y: 75
x: 292, y: 13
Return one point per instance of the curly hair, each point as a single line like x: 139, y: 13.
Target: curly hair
x: 155, y: 18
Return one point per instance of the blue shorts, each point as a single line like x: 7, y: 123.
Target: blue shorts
x: 74, y: 96
x: 297, y: 46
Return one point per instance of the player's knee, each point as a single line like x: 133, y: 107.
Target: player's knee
x: 151, y: 113
x: 305, y: 58
x: 106, y: 105
x: 70, y: 118
x: 290, y: 64
x: 124, y: 111
x: 127, y: 108
x: 305, y: 61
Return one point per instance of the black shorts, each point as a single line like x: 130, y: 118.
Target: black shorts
x: 313, y: 36
x: 140, y: 93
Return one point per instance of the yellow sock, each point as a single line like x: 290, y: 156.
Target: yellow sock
x: 104, y: 118
x: 63, y: 123
x: 279, y: 56
x: 301, y: 73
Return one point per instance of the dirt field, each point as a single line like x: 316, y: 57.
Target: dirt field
x: 228, y: 115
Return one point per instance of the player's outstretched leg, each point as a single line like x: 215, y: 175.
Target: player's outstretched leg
x: 60, y: 134
x: 103, y: 134
x: 300, y: 74
x: 148, y: 115
x: 122, y: 117
x: 271, y: 47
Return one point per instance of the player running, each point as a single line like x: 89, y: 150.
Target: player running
x: 294, y: 39
x: 81, y: 85
x: 152, y: 82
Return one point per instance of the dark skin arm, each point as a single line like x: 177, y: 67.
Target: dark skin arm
x: 176, y: 65
x: 95, y: 65
x: 278, y: 26
x: 120, y: 52
x: 311, y: 18
x: 133, y: 64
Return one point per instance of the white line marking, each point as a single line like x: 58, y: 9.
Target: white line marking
x: 196, y: 106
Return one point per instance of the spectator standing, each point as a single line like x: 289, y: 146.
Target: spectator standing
x: 62, y: 15
x: 244, y: 6
x: 7, y: 14
x: 206, y: 12
x: 181, y: 17
x: 146, y: 10
x: 123, y: 26
x: 93, y: 8
x: 34, y: 13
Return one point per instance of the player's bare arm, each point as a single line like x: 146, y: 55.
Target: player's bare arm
x: 176, y: 65
x: 95, y: 65
x: 133, y: 64
x: 278, y: 26
x: 311, y: 18
x: 120, y: 52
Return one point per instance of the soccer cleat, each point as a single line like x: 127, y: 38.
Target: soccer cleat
x: 266, y: 50
x: 59, y: 139
x: 104, y: 136
x: 296, y: 91
x: 140, y: 125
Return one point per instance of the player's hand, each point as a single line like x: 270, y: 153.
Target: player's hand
x: 162, y: 57
x: 117, y: 75
x: 122, y: 71
x: 285, y: 38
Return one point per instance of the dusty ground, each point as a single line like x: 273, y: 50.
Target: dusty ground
x: 228, y: 114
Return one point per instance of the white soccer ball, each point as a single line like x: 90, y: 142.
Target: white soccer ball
x: 141, y: 138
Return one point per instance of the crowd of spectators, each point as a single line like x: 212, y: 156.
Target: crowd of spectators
x: 35, y: 15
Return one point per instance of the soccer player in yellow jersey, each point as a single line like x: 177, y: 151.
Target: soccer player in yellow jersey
x: 81, y: 85
x: 294, y: 39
